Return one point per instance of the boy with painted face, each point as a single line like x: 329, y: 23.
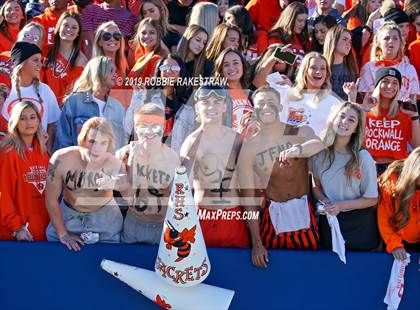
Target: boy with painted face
x: 151, y: 167
x: 275, y: 160
x: 87, y: 174
x: 210, y: 154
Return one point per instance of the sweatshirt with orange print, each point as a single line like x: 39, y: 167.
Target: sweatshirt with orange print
x: 22, y: 187
x: 411, y: 232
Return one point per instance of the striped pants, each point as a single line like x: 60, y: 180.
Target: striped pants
x: 304, y: 239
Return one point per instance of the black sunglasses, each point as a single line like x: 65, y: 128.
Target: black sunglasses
x: 106, y: 36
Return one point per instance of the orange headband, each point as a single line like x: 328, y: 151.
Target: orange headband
x: 150, y: 118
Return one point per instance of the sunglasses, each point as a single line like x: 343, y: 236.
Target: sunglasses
x: 106, y: 36
x: 173, y: 68
x: 30, y: 36
x: 205, y: 93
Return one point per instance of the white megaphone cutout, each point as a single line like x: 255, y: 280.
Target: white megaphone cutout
x: 148, y: 283
x: 182, y: 258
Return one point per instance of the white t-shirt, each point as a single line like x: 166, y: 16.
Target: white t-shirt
x: 315, y: 115
x: 101, y: 105
x: 410, y: 80
x: 49, y: 110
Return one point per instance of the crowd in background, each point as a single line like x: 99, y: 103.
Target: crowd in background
x: 85, y: 115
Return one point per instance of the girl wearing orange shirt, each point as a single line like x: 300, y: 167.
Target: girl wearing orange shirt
x: 359, y: 13
x: 64, y: 62
x: 23, y: 175
x: 399, y: 206
x: 291, y: 27
x: 148, y: 53
x: 13, y: 20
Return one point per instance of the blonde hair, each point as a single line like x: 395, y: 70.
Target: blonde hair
x: 183, y: 48
x: 143, y: 61
x: 39, y: 27
x: 301, y: 80
x: 215, y: 45
x: 394, y: 108
x: 330, y: 44
x: 164, y: 14
x: 120, y: 59
x: 102, y: 126
x: 94, y: 74
x: 404, y: 189
x: 206, y: 15
x: 376, y: 52
x: 16, y: 72
x: 13, y: 140
x: 355, y: 142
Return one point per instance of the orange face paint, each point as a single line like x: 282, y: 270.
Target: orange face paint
x: 150, y: 119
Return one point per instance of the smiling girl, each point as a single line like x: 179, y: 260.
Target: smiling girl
x: 23, y: 175
x: 311, y: 101
x: 64, y: 62
x: 231, y: 65
x: 26, y: 85
x: 191, y: 49
x: 148, y: 37
x: 345, y: 182
x: 13, y: 19
x: 387, y: 51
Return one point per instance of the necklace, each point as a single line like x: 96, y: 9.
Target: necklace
x: 61, y: 73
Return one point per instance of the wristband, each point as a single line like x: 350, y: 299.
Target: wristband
x: 415, y: 118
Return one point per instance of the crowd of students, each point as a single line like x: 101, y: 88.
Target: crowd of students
x: 96, y: 116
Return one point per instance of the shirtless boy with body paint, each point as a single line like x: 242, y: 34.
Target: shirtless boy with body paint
x: 87, y: 174
x: 151, y: 168
x: 210, y: 154
x: 275, y: 160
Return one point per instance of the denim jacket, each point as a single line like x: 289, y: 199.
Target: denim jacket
x: 77, y: 109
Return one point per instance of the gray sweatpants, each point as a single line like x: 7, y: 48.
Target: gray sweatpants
x: 107, y: 222
x: 136, y: 230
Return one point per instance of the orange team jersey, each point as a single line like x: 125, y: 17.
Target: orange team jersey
x: 414, y: 49
x: 49, y: 20
x: 411, y: 231
x: 264, y: 13
x: 240, y: 106
x: 60, y: 77
x: 6, y: 43
x: 388, y: 137
x: 22, y: 186
x: 148, y: 70
x: 353, y: 23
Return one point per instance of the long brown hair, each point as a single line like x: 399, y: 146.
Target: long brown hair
x: 183, y: 48
x: 355, y: 143
x: 215, y: 45
x: 52, y: 55
x: 330, y: 45
x: 4, y: 25
x: 218, y: 66
x: 284, y: 27
x: 403, y: 189
x: 164, y: 14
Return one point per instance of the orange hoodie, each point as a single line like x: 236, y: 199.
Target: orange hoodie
x: 22, y: 187
x: 409, y: 233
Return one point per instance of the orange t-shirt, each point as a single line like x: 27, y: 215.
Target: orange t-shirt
x: 388, y: 137
x: 409, y: 233
x: 5, y: 43
x: 240, y: 106
x: 297, y: 47
x: 60, y: 77
x: 22, y: 187
x: 414, y: 49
